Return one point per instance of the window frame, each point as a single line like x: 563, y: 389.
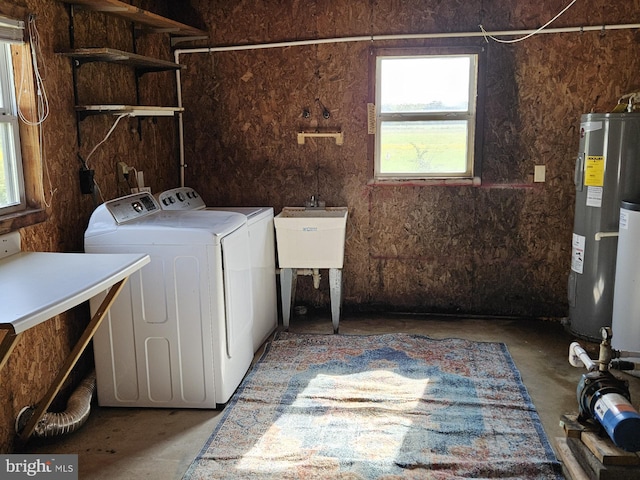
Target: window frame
x: 474, y: 116
x: 32, y: 164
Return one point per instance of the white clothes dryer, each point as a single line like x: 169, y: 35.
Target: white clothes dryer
x: 262, y: 255
x: 179, y: 334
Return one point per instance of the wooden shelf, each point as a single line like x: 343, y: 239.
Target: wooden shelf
x: 131, y: 110
x: 142, y: 21
x: 150, y: 21
x: 139, y: 62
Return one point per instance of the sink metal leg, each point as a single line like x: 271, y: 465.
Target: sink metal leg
x: 335, y: 287
x: 288, y: 277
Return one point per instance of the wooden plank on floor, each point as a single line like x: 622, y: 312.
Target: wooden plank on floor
x: 569, y: 462
x: 606, y: 452
x: 594, y: 469
x: 572, y: 427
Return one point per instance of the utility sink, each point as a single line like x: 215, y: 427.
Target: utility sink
x: 311, y: 237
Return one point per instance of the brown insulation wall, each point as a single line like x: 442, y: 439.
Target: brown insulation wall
x: 42, y: 350
x: 500, y: 249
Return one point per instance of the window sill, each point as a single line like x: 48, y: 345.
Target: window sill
x: 26, y: 218
x: 426, y: 182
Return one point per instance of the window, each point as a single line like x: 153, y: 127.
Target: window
x: 12, y: 195
x: 426, y: 109
x: 22, y: 200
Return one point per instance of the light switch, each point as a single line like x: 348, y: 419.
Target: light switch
x: 539, y: 173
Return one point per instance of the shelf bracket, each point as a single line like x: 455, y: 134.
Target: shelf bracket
x: 339, y: 136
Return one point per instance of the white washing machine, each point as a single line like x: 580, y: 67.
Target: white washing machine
x: 179, y: 334
x: 262, y: 256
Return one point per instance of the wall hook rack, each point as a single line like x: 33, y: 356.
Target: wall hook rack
x: 339, y: 136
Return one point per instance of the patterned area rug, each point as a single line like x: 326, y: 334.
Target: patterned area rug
x: 382, y: 406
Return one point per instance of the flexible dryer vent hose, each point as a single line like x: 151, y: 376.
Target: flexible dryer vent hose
x: 62, y: 423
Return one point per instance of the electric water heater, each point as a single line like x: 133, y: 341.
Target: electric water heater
x: 607, y: 172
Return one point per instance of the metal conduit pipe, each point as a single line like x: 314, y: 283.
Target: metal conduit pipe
x: 368, y: 38
x: 62, y: 423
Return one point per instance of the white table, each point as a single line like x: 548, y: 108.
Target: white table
x: 36, y: 286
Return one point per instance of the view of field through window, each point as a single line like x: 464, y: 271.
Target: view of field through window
x: 10, y: 163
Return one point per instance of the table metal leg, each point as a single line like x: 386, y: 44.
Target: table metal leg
x: 71, y: 360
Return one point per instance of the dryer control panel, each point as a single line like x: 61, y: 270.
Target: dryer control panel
x: 181, y: 198
x: 132, y: 207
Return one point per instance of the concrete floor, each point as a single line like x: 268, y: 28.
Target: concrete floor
x: 126, y: 443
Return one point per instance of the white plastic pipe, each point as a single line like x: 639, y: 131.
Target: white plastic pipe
x: 180, y: 121
x: 406, y: 36
x: 600, y: 235
x: 578, y: 355
x: 315, y: 272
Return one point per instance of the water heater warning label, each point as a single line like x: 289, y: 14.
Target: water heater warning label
x: 577, y: 253
x: 594, y: 197
x: 594, y: 171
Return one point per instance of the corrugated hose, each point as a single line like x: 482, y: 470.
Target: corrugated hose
x: 61, y: 423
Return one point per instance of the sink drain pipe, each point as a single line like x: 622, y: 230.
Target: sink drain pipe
x: 315, y: 272
x: 62, y: 423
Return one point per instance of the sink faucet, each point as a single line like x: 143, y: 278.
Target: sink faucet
x: 313, y: 202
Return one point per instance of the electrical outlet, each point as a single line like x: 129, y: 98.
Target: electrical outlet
x: 10, y: 244
x: 123, y: 171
